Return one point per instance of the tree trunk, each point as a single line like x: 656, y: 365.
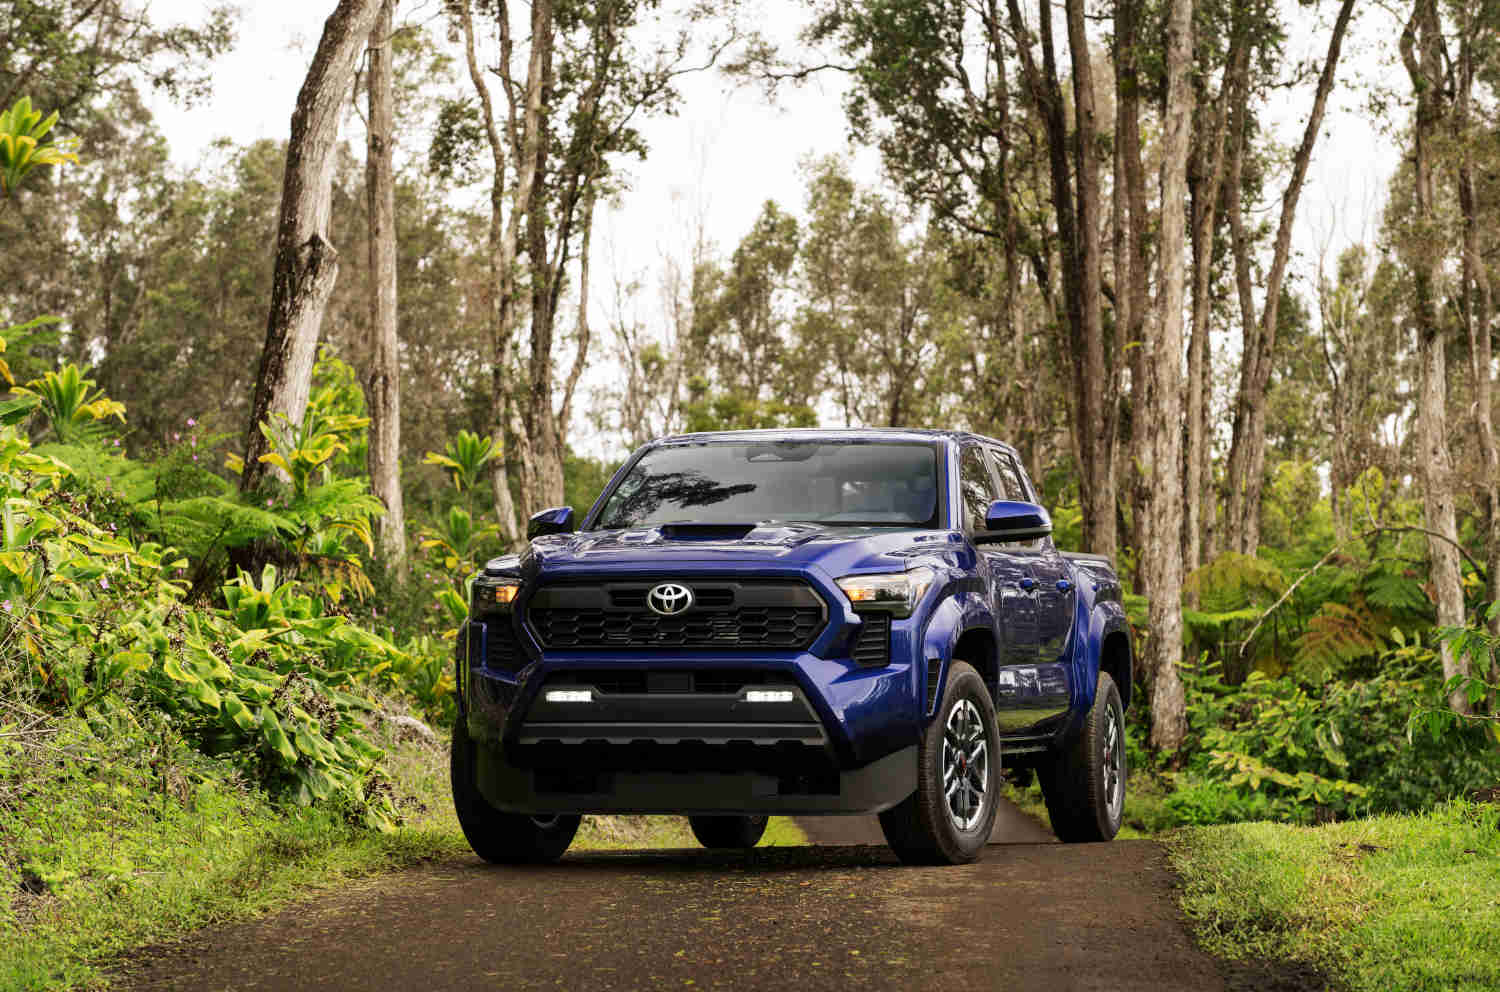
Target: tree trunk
x: 1131, y: 225
x: 1205, y: 183
x: 1478, y: 300
x: 1247, y: 453
x: 1091, y: 417
x: 1095, y: 403
x: 1421, y: 52
x: 306, y: 263
x: 1163, y: 554
x: 383, y: 385
x: 501, y: 262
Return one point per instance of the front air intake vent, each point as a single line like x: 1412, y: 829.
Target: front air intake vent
x: 934, y: 682
x: 872, y: 649
x: 502, y: 650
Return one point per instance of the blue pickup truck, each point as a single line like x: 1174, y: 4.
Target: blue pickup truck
x: 809, y: 621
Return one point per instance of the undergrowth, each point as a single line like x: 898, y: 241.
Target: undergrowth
x: 1389, y: 902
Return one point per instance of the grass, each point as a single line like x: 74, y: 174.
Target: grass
x: 1146, y: 814
x: 105, y: 851
x: 1392, y: 902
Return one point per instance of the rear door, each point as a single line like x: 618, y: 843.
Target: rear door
x: 1013, y: 587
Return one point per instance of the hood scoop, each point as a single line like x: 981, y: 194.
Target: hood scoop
x: 706, y: 532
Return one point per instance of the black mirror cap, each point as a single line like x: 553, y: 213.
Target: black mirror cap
x: 555, y: 520
x: 1014, y: 520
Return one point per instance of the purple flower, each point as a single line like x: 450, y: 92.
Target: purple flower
x: 6, y: 605
x: 176, y: 436
x: 117, y: 442
x: 103, y: 582
x: 192, y: 422
x: 195, y: 458
x: 270, y: 502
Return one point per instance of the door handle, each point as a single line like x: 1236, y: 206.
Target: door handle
x: 1027, y: 584
x: 1063, y: 585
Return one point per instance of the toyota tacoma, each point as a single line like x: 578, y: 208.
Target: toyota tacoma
x: 750, y: 623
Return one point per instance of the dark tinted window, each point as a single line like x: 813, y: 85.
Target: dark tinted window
x: 977, y: 489
x: 851, y: 484
x: 1010, y: 479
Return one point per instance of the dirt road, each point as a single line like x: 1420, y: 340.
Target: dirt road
x: 840, y: 914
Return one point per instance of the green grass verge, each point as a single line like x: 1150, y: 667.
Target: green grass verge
x: 1391, y: 902
x: 101, y: 856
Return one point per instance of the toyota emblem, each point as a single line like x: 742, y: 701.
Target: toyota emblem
x: 669, y: 599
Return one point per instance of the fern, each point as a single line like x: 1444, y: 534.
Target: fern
x: 1233, y: 582
x: 1335, y: 637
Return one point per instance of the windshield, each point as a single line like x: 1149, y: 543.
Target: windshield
x: 846, y: 483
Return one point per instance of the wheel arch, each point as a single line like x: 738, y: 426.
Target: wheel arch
x: 1114, y: 658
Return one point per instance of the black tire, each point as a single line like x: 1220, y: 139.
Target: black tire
x: 496, y: 836
x: 925, y: 828
x: 1084, y: 784
x: 724, y: 833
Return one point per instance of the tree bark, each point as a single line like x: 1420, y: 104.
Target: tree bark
x: 1421, y: 53
x: 1477, y: 304
x: 383, y: 384
x: 1164, y: 502
x: 1205, y: 182
x: 500, y: 262
x: 1092, y: 418
x: 306, y: 262
x: 1247, y: 453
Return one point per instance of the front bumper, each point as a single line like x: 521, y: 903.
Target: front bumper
x: 674, y: 731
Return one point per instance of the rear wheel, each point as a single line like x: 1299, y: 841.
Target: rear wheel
x: 496, y: 836
x: 719, y: 833
x: 1084, y: 785
x: 949, y: 818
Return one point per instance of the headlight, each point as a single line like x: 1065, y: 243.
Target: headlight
x: 494, y: 594
x: 897, y: 592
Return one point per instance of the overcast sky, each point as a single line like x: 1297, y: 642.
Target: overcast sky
x: 729, y: 150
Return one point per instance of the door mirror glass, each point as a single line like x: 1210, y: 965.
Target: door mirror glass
x: 557, y: 520
x: 1014, y: 520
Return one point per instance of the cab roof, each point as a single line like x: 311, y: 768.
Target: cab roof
x: 806, y: 434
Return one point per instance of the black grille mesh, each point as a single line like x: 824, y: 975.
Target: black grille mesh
x: 787, y: 627
x: 637, y: 681
x: 873, y: 647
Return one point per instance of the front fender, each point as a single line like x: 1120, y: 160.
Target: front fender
x: 950, y: 620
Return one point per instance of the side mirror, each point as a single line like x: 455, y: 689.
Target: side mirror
x: 557, y: 520
x: 1013, y: 520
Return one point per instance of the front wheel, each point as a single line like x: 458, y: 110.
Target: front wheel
x: 499, y: 837
x: 1084, y: 785
x: 949, y: 818
x: 725, y: 833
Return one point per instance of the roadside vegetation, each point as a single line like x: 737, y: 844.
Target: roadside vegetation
x: 1386, y: 902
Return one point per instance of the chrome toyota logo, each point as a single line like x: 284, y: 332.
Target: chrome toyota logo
x: 669, y: 599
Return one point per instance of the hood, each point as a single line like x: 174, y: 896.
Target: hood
x: 838, y: 550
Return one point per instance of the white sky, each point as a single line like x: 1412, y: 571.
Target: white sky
x: 727, y: 151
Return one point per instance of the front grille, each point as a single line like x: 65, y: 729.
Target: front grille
x: 872, y: 649
x: 764, y: 614
x: 724, y: 681
x: 502, y: 651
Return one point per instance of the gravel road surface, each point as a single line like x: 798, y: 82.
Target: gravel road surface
x: 839, y: 914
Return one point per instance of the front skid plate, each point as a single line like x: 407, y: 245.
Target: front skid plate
x: 875, y: 787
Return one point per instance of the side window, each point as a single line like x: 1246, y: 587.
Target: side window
x: 1011, y: 486
x: 977, y: 488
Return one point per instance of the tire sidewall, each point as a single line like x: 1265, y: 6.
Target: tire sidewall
x: 957, y: 845
x: 1107, y: 702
